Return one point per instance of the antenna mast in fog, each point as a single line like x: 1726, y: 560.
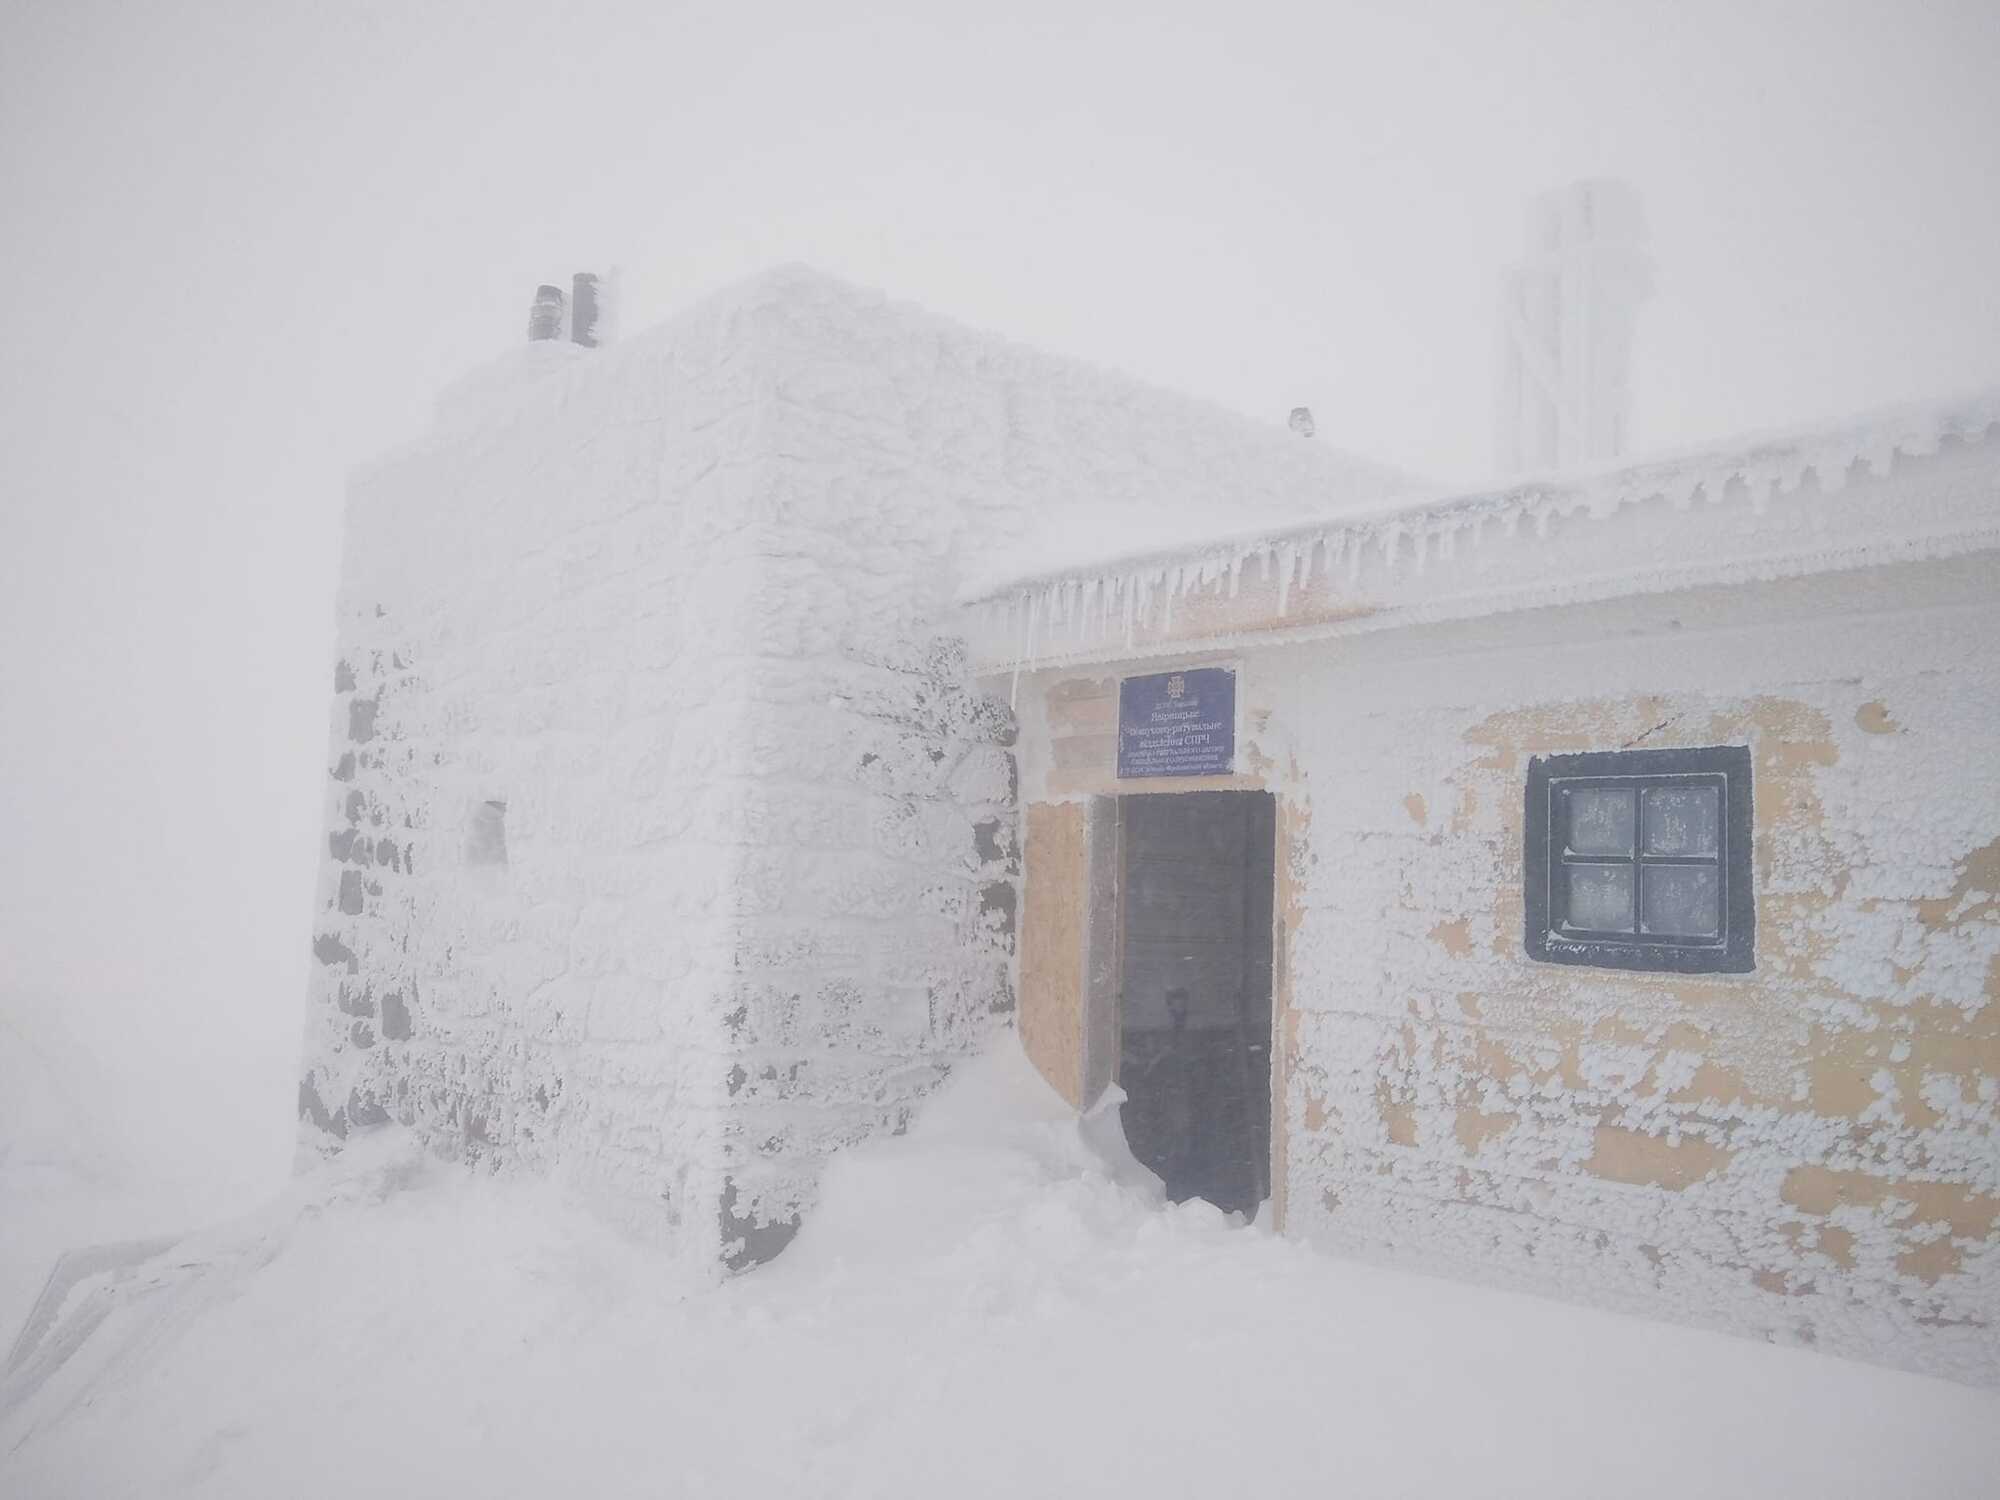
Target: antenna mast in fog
x: 1566, y: 320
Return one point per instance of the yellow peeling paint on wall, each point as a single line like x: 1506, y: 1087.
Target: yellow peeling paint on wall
x: 1631, y: 1156
x: 1645, y: 1139
x: 1828, y: 1122
x: 1055, y: 855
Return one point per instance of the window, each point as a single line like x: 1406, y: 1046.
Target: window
x: 486, y: 834
x: 1640, y: 859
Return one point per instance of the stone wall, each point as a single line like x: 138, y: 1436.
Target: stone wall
x: 668, y: 846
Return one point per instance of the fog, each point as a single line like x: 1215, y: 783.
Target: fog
x: 245, y: 244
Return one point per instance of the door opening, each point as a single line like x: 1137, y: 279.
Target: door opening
x: 1194, y: 1012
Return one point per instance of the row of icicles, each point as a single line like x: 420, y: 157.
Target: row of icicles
x: 1087, y: 607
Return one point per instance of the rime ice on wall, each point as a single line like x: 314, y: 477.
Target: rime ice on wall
x: 1809, y: 1152
x: 669, y: 846
x: 661, y: 848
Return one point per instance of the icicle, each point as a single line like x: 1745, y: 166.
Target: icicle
x: 1285, y: 561
x: 1420, y: 542
x: 1020, y: 651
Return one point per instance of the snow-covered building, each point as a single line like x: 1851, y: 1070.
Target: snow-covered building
x: 1588, y: 886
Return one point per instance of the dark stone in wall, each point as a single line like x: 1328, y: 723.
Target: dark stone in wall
x: 312, y: 1107
x: 350, y: 892
x: 365, y: 1111
x: 395, y: 1017
x: 330, y: 950
x: 361, y: 1034
x: 343, y: 677
x: 998, y: 896
x: 986, y: 841
x: 344, y: 769
x: 746, y: 1242
x: 361, y: 719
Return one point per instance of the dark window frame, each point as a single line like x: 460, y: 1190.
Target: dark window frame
x: 1732, y: 951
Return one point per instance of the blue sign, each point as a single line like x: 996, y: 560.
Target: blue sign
x: 1177, y: 723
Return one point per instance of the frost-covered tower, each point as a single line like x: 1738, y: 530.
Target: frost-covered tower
x: 1566, y: 326
x: 669, y: 843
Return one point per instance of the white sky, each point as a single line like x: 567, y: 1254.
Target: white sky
x: 244, y: 243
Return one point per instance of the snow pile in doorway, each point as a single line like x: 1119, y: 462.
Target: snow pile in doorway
x: 987, y: 1306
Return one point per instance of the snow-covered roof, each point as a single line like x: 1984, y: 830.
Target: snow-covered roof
x: 1770, y: 504
x: 1039, y: 458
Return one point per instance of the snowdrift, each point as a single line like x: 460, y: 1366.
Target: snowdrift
x: 997, y: 1303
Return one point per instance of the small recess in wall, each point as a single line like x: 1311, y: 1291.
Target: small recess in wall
x: 486, y: 834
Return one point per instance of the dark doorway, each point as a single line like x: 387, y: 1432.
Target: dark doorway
x: 1194, y: 1055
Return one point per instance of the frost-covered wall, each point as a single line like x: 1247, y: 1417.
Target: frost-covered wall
x: 669, y: 844
x: 658, y: 824
x: 1809, y: 1152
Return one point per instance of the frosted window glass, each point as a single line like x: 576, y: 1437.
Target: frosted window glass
x: 1600, y: 897
x: 1681, y: 901
x: 1684, y: 820
x: 1600, y: 820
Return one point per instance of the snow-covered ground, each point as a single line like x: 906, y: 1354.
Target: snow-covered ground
x: 995, y: 1304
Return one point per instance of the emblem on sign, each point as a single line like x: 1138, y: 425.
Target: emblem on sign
x: 1177, y: 723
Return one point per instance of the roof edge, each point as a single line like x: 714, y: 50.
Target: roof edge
x: 1767, y: 463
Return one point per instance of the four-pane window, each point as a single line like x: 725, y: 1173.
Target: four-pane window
x: 1640, y: 859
